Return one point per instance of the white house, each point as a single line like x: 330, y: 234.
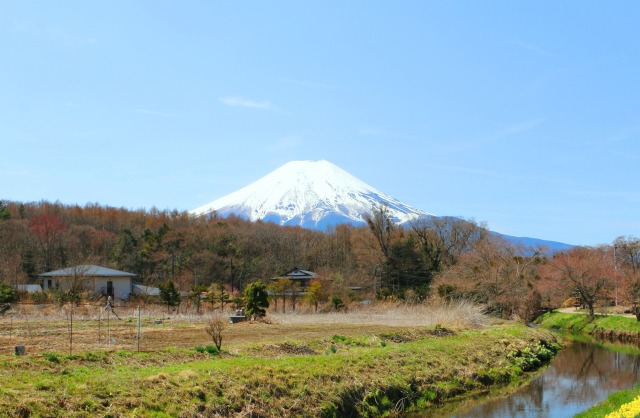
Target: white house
x: 102, y: 280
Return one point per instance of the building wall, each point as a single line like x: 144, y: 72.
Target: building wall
x: 121, y: 285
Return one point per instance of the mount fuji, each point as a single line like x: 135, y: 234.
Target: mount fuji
x: 319, y: 194
x: 310, y: 194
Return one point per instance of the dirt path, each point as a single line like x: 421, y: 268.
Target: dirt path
x: 582, y: 312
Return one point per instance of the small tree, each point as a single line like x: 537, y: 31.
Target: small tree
x: 256, y: 299
x: 336, y: 302
x: 314, y: 293
x: 218, y: 293
x: 169, y: 294
x: 214, y: 328
x: 294, y: 293
x: 280, y: 288
x: 196, y: 296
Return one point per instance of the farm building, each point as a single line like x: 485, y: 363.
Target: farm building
x: 102, y: 280
x: 297, y: 275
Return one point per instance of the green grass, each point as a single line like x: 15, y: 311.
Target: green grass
x: 360, y: 376
x: 612, y: 403
x: 579, y: 323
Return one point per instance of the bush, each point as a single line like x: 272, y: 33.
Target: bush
x: 7, y: 293
x: 337, y: 302
x: 39, y: 297
x: 52, y: 357
x: 211, y: 349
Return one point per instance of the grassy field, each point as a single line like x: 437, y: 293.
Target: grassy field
x: 354, y: 364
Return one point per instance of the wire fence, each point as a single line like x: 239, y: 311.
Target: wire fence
x: 47, y: 327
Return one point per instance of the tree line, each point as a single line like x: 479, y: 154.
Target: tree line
x: 443, y: 257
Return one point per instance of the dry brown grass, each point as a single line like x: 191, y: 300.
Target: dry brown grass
x: 459, y: 315
x: 44, y: 328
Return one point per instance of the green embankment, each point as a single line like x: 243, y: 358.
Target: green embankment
x: 609, y: 327
x: 360, y: 375
x: 611, y: 404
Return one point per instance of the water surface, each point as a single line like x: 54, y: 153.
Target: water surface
x: 582, y: 375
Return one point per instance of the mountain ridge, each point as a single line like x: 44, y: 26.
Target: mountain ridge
x: 310, y: 194
x: 319, y: 195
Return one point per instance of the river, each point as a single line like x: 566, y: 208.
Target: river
x: 582, y: 375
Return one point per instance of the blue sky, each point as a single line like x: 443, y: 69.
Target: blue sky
x: 523, y: 115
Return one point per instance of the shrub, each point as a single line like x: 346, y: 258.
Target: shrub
x: 214, y: 328
x: 7, y: 293
x: 52, y: 357
x: 39, y: 297
x: 337, y: 302
x: 213, y: 350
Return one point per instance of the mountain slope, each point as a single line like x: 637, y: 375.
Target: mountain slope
x: 317, y: 195
x: 311, y: 194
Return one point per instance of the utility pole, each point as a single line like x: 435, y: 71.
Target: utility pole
x: 615, y: 270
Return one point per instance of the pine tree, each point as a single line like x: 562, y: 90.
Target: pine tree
x: 169, y: 294
x: 256, y: 299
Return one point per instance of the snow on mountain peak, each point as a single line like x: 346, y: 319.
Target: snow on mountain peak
x: 312, y: 194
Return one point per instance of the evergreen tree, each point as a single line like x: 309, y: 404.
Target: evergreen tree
x: 169, y: 294
x: 256, y: 299
x: 4, y: 212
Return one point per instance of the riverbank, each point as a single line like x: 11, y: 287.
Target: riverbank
x: 611, y: 328
x: 360, y: 374
x: 604, y: 327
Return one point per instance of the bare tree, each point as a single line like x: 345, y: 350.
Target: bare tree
x: 215, y: 327
x: 584, y: 271
x: 626, y: 253
x: 382, y: 227
x: 495, y: 273
x: 444, y: 239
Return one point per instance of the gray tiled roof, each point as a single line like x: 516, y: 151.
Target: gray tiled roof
x: 87, y: 270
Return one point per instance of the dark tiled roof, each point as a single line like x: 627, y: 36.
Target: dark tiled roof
x: 299, y: 273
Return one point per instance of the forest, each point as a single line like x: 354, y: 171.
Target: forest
x: 437, y: 257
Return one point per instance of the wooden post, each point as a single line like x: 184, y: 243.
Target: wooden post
x: 139, y: 327
x: 108, y: 329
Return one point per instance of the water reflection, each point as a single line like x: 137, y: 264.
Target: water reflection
x: 580, y: 376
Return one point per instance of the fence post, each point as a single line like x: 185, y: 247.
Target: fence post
x: 139, y: 327
x: 108, y: 328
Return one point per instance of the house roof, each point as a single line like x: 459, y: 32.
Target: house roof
x: 299, y: 273
x: 139, y: 289
x: 87, y: 270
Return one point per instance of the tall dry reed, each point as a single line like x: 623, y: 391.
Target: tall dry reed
x: 461, y: 314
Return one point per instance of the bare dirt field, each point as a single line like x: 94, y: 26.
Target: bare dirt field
x: 51, y: 328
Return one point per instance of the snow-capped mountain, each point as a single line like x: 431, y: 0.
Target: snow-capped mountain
x: 311, y: 194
